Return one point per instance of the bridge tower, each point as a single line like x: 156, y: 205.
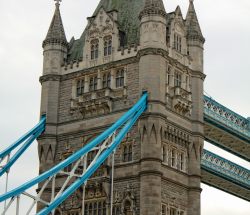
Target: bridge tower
x: 128, y: 47
x: 55, y: 47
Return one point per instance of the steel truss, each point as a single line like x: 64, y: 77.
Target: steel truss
x: 105, y: 145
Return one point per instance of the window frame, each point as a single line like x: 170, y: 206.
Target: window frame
x: 120, y: 78
x: 94, y: 49
x: 80, y: 85
x: 107, y: 46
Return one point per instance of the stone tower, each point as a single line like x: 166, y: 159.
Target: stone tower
x: 88, y: 83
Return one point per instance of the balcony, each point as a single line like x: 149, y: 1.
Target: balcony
x: 97, y: 102
x: 182, y: 100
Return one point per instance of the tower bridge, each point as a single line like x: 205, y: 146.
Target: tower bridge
x: 124, y: 118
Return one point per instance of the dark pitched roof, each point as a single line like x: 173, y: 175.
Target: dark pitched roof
x: 128, y: 23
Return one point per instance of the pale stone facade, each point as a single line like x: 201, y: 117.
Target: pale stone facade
x: 87, y: 84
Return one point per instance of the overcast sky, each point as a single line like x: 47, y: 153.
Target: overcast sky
x: 24, y: 24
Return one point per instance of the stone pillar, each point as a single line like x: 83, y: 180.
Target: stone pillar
x: 113, y: 78
x: 99, y: 80
x: 86, y: 85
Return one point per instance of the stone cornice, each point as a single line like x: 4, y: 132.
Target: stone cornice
x: 198, y: 74
x: 152, y: 51
x: 102, y: 67
x: 50, y: 77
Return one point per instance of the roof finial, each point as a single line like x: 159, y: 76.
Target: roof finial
x: 57, y: 2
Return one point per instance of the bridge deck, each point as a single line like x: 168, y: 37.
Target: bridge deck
x: 225, y: 175
x: 226, y: 129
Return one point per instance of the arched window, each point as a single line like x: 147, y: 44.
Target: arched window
x: 80, y: 87
x: 164, y: 154
x: 86, y: 209
x: 93, y: 83
x: 107, y: 46
x: 120, y: 78
x: 130, y: 152
x: 173, y: 159
x: 163, y: 209
x: 99, y: 208
x: 90, y: 209
x: 173, y: 211
x: 125, y: 153
x: 95, y: 209
x: 177, y: 42
x: 182, y: 160
x: 127, y: 208
x: 94, y: 49
x: 106, y: 80
x: 104, y: 208
x: 177, y: 79
x: 116, y: 210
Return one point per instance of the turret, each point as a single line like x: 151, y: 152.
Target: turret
x: 195, y: 39
x: 55, y: 45
x: 153, y: 46
x: 152, y: 76
x: 153, y: 25
x: 55, y: 48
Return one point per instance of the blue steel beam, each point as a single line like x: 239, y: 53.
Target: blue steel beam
x: 79, y: 182
x: 23, y: 148
x: 13, y: 146
x: 17, y: 191
x: 226, y: 169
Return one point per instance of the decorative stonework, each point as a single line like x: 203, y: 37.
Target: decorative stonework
x: 98, y: 102
x: 152, y: 51
x: 182, y: 102
x: 50, y: 78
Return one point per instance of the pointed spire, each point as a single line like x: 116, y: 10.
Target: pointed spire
x: 56, y: 34
x: 192, y: 23
x: 153, y: 7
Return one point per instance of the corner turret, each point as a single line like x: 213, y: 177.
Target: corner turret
x: 153, y: 25
x: 55, y: 48
x: 55, y: 45
x: 195, y: 39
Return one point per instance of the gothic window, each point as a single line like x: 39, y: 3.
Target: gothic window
x: 80, y: 87
x: 74, y: 213
x: 120, y: 78
x: 127, y: 208
x: 107, y: 46
x: 163, y: 209
x: 93, y: 83
x: 103, y: 208
x: 168, y: 78
x: 173, y: 211
x: 177, y: 79
x: 116, y: 210
x: 182, y: 160
x: 164, y: 154
x: 173, y: 158
x: 177, y: 42
x: 94, y: 49
x: 106, y: 80
x: 99, y: 208
x: 127, y: 153
x: 86, y: 209
x: 95, y: 208
x: 90, y: 209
